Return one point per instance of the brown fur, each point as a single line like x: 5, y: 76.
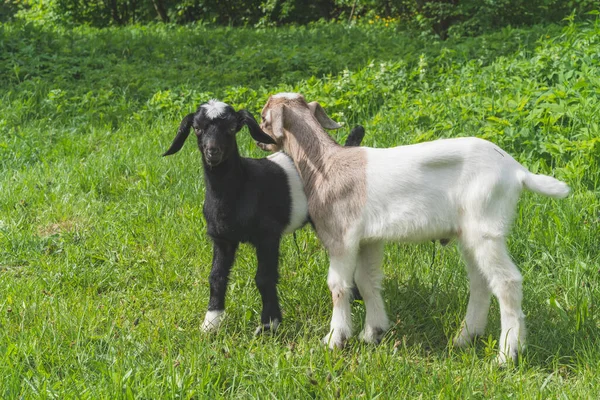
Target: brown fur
x: 334, y: 177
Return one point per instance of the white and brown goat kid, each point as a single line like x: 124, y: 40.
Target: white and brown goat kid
x: 247, y: 200
x: 359, y: 198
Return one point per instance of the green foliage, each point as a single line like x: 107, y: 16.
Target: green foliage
x: 8, y: 9
x: 104, y: 260
x: 474, y: 17
x: 442, y: 17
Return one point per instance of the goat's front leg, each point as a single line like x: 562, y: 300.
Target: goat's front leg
x: 368, y: 277
x: 340, y: 281
x: 223, y: 256
x: 267, y: 276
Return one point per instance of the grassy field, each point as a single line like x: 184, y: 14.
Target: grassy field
x: 104, y: 259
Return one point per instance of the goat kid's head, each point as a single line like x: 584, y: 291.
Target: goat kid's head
x: 216, y: 124
x: 276, y: 117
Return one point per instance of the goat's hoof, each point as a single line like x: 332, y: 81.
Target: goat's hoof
x: 505, y: 360
x: 372, y: 335
x: 270, y: 327
x: 335, y: 339
x: 502, y: 360
x: 463, y: 341
x: 212, y: 320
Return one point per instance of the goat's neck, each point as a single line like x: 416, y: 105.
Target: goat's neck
x: 312, y: 153
x: 226, y: 178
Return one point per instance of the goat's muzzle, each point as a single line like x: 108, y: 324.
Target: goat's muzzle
x: 213, y: 156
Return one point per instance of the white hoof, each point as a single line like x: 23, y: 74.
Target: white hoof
x: 503, y: 359
x: 465, y: 338
x: 372, y: 335
x: 336, y: 339
x: 462, y: 341
x: 212, y: 320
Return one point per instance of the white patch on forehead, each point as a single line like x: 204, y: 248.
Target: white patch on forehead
x: 288, y: 96
x: 215, y: 109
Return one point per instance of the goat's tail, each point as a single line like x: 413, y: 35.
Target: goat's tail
x: 355, y: 137
x: 544, y: 184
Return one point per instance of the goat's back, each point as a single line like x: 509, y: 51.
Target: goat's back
x: 432, y: 190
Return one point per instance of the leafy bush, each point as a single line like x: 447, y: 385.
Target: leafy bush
x: 443, y: 17
x: 532, y: 97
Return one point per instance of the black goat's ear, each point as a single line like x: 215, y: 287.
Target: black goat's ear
x: 257, y: 134
x: 182, y: 134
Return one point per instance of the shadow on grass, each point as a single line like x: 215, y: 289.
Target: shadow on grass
x: 554, y: 339
x: 427, y: 317
x: 422, y: 314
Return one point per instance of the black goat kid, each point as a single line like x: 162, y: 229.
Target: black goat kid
x: 247, y: 200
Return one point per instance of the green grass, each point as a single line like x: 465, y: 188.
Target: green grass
x: 104, y: 259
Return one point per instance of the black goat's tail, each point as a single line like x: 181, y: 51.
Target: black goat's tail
x: 355, y: 137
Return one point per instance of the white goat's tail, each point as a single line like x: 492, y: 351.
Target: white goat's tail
x: 544, y: 184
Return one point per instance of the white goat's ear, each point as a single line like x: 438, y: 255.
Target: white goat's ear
x: 276, y: 117
x: 321, y: 116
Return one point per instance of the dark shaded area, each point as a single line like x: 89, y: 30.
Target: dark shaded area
x: 465, y: 17
x: 423, y: 311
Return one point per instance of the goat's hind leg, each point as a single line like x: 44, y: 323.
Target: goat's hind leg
x: 267, y: 277
x: 505, y: 282
x: 479, y: 302
x: 368, y: 277
x: 340, y: 282
x: 223, y: 256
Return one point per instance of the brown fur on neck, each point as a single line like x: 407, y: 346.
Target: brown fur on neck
x: 334, y: 176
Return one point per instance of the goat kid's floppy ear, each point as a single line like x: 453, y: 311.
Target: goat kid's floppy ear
x: 255, y: 131
x: 182, y: 134
x: 276, y: 115
x: 322, y: 116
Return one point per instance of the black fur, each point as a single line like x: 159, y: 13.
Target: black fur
x: 355, y: 137
x: 247, y: 200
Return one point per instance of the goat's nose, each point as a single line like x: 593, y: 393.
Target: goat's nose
x: 212, y: 151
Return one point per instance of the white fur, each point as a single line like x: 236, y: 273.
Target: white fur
x: 428, y: 190
x: 212, y: 320
x: 464, y: 188
x: 288, y: 96
x: 299, y: 206
x: 215, y: 109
